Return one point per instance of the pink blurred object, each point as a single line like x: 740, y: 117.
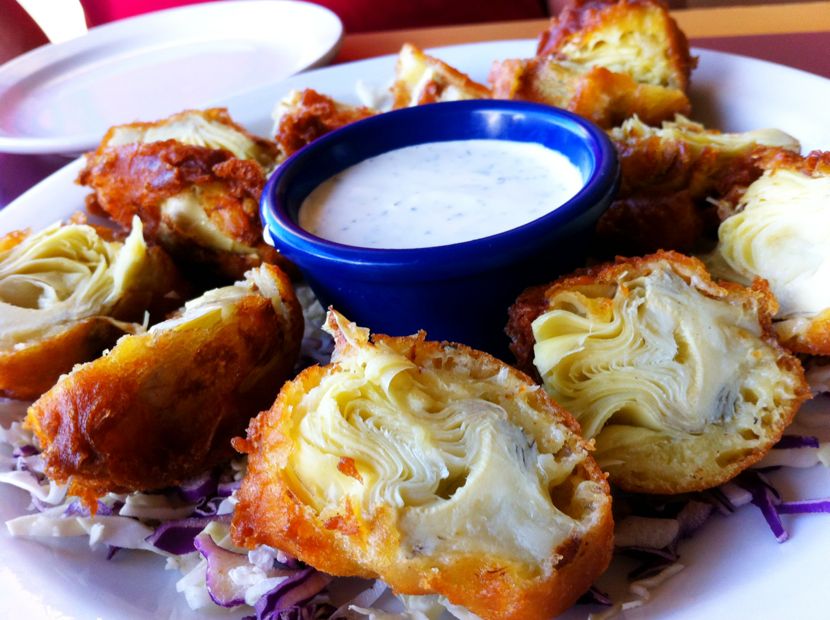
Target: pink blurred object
x: 358, y: 15
x: 104, y: 11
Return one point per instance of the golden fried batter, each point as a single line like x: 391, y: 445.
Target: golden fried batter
x: 600, y: 95
x: 433, y: 467
x: 421, y: 79
x: 66, y: 294
x: 667, y: 176
x: 680, y: 379
x: 684, y: 155
x: 636, y: 37
x: 194, y: 179
x: 303, y: 116
x: 778, y: 228
x: 161, y: 407
x: 649, y: 222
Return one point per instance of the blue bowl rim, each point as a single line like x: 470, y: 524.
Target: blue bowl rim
x: 486, y: 251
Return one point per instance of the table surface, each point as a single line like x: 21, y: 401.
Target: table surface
x: 796, y: 34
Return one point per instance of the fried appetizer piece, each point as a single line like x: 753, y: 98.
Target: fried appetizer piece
x: 636, y: 37
x: 421, y: 79
x: 66, y: 294
x: 303, y: 116
x: 678, y: 378
x: 161, y: 407
x: 194, y: 179
x: 431, y: 466
x: 600, y: 95
x: 649, y: 222
x: 779, y: 230
x: 667, y: 175
x: 684, y: 155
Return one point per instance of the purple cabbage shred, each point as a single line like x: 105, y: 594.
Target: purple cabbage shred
x: 77, y: 509
x: 24, y: 451
x: 198, y: 489
x: 288, y: 599
x: 177, y: 536
x: 595, y: 596
x: 226, y: 489
x: 788, y: 442
x: 765, y: 497
x: 806, y: 506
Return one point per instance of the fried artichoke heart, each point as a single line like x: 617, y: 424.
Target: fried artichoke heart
x: 596, y: 93
x: 779, y: 230
x: 421, y: 79
x: 678, y: 378
x: 194, y: 179
x: 636, y: 37
x: 668, y: 175
x: 684, y: 155
x: 162, y: 406
x: 66, y: 294
x: 433, y: 467
x: 303, y: 116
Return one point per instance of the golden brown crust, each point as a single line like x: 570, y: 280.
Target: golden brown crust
x: 162, y: 407
x: 814, y: 340
x: 600, y: 95
x: 311, y: 116
x: 445, y: 83
x: 266, y: 151
x: 648, y: 223
x: 28, y: 372
x: 135, y: 179
x: 645, y: 460
x: 583, y: 20
x: 668, y: 178
x: 656, y: 165
x: 369, y: 545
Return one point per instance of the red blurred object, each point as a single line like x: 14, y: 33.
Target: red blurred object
x: 359, y: 15
x: 18, y: 32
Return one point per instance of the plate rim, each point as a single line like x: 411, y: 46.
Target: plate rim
x: 18, y: 69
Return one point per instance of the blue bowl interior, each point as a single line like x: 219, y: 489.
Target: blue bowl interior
x: 457, y: 292
x: 525, y: 123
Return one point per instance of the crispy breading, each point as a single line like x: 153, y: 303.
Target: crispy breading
x: 649, y: 222
x: 66, y: 294
x: 684, y: 155
x: 600, y: 95
x: 778, y: 228
x: 433, y: 467
x: 421, y: 79
x: 679, y: 379
x: 303, y: 116
x: 667, y: 176
x: 635, y: 37
x: 212, y: 128
x: 162, y: 406
x: 195, y: 180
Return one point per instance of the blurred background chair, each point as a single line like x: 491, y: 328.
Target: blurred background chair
x: 18, y: 31
x: 359, y: 15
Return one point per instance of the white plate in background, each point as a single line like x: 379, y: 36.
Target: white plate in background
x: 61, y: 98
x: 734, y: 566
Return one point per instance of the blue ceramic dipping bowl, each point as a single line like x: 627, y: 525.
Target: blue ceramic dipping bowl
x: 459, y: 292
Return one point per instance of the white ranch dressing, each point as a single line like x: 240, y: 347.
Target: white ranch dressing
x: 440, y: 193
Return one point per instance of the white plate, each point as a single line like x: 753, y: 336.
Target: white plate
x: 61, y: 98
x: 733, y: 566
